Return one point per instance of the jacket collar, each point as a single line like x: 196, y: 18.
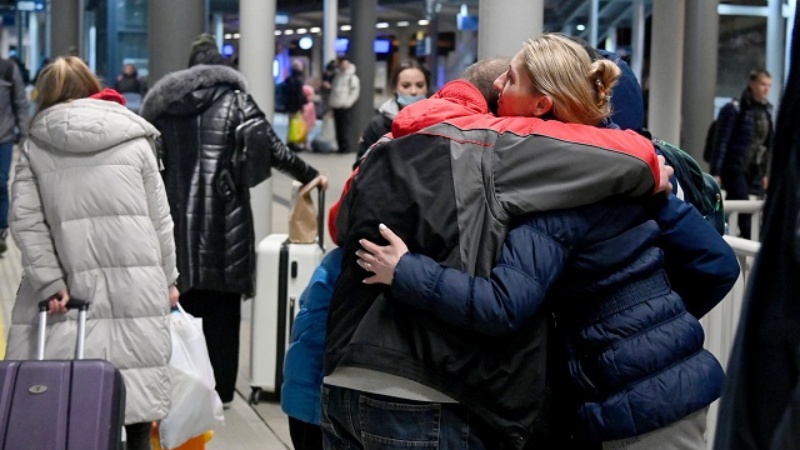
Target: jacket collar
x: 176, y: 85
x: 457, y: 98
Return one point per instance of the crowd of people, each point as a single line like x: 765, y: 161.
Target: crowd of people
x: 512, y: 268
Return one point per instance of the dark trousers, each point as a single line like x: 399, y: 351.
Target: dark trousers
x: 342, y: 119
x: 137, y: 436
x: 305, y: 436
x: 737, y: 188
x: 222, y: 317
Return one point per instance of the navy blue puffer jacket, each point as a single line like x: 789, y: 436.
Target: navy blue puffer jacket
x: 627, y: 282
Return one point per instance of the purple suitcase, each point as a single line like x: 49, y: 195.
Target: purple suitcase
x: 61, y: 405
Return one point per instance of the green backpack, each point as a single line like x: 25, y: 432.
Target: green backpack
x: 700, y: 188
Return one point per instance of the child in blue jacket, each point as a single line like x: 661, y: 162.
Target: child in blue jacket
x: 302, y: 370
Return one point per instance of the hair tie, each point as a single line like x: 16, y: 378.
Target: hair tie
x: 602, y: 96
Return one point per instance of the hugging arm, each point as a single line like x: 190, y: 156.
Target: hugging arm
x: 566, y: 166
x: 529, y: 264
x: 700, y: 265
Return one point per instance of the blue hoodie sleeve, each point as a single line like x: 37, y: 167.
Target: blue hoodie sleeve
x: 701, y: 266
x: 529, y: 265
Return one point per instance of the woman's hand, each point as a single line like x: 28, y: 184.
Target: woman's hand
x: 323, y: 183
x: 174, y: 295
x: 666, y: 174
x: 381, y: 260
x: 58, y: 303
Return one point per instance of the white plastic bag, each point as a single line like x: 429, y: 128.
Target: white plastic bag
x: 196, y: 407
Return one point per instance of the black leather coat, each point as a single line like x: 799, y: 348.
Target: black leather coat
x: 214, y: 232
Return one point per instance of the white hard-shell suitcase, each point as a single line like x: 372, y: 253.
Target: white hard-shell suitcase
x: 283, y: 270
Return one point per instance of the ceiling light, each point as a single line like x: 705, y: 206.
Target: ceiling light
x: 381, y: 25
x: 315, y: 29
x: 403, y: 23
x: 236, y: 35
x: 423, y: 22
x: 278, y: 32
x: 228, y: 35
x: 581, y: 27
x: 305, y: 43
x: 288, y: 32
x: 302, y: 31
x: 345, y: 28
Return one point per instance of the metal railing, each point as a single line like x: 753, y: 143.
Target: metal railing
x: 733, y: 208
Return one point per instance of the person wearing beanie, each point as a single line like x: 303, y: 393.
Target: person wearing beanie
x: 196, y: 110
x: 204, y: 51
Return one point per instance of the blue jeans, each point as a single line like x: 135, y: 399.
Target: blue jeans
x: 358, y: 420
x: 6, y: 152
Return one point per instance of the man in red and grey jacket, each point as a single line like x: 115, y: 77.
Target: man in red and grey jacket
x: 449, y: 184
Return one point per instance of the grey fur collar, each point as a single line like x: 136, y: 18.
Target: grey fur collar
x: 176, y: 85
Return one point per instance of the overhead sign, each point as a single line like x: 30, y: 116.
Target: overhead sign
x: 31, y: 5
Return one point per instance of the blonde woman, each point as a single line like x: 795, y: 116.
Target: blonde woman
x: 626, y: 280
x: 91, y: 219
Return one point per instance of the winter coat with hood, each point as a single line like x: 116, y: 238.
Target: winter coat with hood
x: 346, y: 88
x: 198, y: 111
x: 89, y: 213
x: 453, y: 188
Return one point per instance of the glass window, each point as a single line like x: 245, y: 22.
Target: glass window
x: 742, y: 47
x: 131, y: 14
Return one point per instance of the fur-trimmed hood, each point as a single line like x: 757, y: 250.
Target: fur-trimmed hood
x: 176, y: 86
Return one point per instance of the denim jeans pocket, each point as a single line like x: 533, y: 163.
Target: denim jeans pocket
x: 388, y: 425
x: 330, y: 436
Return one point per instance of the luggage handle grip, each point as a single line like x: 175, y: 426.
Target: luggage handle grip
x: 73, y: 303
x: 82, y: 306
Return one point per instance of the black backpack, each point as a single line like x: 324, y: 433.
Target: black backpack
x: 700, y: 188
x: 711, y: 136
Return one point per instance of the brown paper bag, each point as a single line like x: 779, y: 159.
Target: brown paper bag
x: 303, y: 220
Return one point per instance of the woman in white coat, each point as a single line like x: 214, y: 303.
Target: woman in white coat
x: 91, y: 218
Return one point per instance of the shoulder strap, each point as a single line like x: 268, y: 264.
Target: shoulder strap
x: 8, y: 70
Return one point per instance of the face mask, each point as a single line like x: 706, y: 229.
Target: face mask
x: 405, y: 100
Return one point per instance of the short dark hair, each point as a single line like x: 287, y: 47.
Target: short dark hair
x: 483, y: 74
x: 755, y: 74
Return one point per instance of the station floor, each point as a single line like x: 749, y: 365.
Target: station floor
x: 262, y: 426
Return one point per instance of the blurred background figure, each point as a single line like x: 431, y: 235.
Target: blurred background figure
x: 128, y: 81
x: 408, y: 83
x: 130, y: 86
x: 742, y: 143
x: 14, y: 117
x: 345, y: 90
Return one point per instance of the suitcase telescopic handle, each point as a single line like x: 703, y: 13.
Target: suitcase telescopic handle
x: 321, y: 217
x: 82, y: 306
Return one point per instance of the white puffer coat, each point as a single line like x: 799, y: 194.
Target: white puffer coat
x: 89, y: 212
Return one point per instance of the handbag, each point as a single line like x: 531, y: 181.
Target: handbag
x: 252, y: 157
x: 298, y: 130
x: 196, y: 406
